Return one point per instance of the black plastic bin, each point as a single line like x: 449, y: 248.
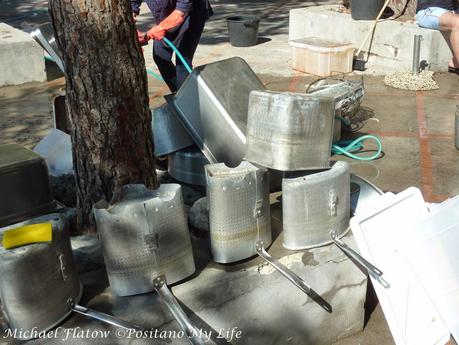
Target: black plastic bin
x: 25, y: 191
x: 243, y: 30
x: 366, y: 9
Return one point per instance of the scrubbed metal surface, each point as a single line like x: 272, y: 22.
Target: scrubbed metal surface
x: 188, y: 166
x: 213, y: 104
x: 168, y: 133
x: 239, y: 212
x: 144, y: 234
x: 37, y: 279
x: 287, y: 131
x: 314, y: 204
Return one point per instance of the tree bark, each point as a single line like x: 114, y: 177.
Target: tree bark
x: 403, y: 7
x: 106, y: 99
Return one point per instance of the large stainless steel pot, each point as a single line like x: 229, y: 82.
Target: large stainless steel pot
x: 347, y: 94
x: 287, y: 131
x: 37, y: 280
x: 212, y: 104
x: 168, y: 133
x: 40, y: 285
x: 314, y: 204
x: 144, y: 234
x: 239, y: 212
x: 147, y: 245
x: 187, y: 166
x: 240, y: 220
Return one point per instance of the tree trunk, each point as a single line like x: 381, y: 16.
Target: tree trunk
x: 404, y: 7
x: 107, y: 99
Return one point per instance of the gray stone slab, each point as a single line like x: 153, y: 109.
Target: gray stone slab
x: 392, y: 45
x: 21, y: 58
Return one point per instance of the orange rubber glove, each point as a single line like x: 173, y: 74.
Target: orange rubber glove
x: 158, y: 32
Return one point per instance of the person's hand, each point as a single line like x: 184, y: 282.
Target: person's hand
x: 156, y: 33
x: 142, y: 37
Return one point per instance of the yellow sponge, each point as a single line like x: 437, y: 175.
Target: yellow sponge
x: 34, y: 233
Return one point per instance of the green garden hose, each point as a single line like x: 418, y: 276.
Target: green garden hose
x: 347, y: 148
x: 180, y: 56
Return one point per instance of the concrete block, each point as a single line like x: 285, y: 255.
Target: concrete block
x: 268, y: 309
x: 391, y: 47
x: 21, y: 58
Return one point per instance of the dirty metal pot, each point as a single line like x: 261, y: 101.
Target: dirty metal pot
x: 240, y: 220
x: 40, y: 285
x: 144, y: 234
x: 146, y: 244
x: 38, y: 279
x: 168, y: 133
x: 187, y: 166
x: 212, y: 104
x: 314, y: 204
x: 288, y: 131
x: 239, y: 212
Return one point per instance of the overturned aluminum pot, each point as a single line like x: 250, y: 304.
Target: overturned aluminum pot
x: 187, y: 166
x: 288, y: 131
x: 38, y: 279
x: 314, y: 204
x: 212, y: 104
x: 168, y: 133
x: 239, y: 210
x: 144, y: 234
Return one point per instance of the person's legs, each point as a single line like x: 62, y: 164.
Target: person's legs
x: 162, y: 55
x: 188, y: 45
x: 449, y: 22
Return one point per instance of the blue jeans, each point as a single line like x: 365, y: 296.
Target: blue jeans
x: 186, y: 39
x: 430, y: 17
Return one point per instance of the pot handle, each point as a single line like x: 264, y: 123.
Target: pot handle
x: 349, y: 251
x: 290, y: 275
x: 169, y: 300
x: 102, y: 316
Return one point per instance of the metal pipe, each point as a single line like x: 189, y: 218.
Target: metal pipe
x: 416, y: 53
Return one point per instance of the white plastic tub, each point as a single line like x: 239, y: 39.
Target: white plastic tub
x: 321, y: 57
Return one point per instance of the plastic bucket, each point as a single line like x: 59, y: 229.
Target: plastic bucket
x: 366, y: 9
x: 243, y: 30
